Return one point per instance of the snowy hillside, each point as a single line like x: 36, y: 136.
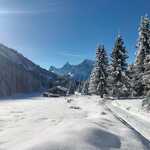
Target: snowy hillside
x: 16, y: 58
x: 38, y: 123
x: 78, y: 72
x: 18, y: 74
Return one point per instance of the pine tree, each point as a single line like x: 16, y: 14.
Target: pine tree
x: 99, y: 74
x: 131, y: 76
x: 141, y: 67
x: 101, y: 88
x: 85, y: 88
x: 93, y: 82
x: 143, y: 46
x: 118, y: 67
x: 80, y: 86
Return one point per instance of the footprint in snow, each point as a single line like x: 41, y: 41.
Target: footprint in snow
x: 103, y: 113
x: 75, y: 107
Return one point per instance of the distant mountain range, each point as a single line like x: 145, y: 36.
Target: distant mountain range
x: 18, y: 74
x: 78, y: 72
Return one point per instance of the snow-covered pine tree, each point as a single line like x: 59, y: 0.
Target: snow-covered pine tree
x: 80, y: 87
x: 143, y: 46
x: 85, y: 87
x: 118, y: 67
x: 98, y: 79
x: 140, y: 79
x: 131, y: 76
x: 92, y: 82
x: 103, y: 68
x: 101, y: 88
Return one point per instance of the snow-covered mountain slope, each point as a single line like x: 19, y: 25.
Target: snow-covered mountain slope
x: 39, y: 123
x: 78, y: 72
x: 16, y: 57
x: 19, y: 74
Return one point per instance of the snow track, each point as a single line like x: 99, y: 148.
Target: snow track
x: 140, y: 124
x: 145, y: 141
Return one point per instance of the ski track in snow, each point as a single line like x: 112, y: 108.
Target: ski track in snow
x: 53, y: 124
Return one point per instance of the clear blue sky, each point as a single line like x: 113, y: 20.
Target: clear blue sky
x: 52, y: 32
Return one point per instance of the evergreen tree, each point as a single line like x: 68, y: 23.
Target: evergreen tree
x: 143, y: 45
x: 93, y: 82
x: 101, y: 88
x: 85, y: 87
x: 80, y: 86
x: 131, y: 76
x: 99, y: 74
x: 118, y: 67
x: 141, y: 67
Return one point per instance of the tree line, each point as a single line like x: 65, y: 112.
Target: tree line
x: 118, y: 78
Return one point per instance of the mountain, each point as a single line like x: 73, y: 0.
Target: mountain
x: 78, y: 72
x: 19, y: 75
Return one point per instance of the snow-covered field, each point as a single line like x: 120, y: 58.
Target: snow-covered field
x: 38, y: 123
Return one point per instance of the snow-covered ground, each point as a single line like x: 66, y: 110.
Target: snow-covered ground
x: 131, y: 111
x: 133, y: 106
x: 37, y: 123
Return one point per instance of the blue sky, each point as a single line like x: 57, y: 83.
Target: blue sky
x: 52, y: 32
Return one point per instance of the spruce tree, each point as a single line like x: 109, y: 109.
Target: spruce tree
x: 93, y: 82
x: 80, y: 86
x: 118, y: 67
x: 99, y: 74
x: 141, y: 67
x: 85, y: 88
x: 143, y: 46
x: 101, y: 88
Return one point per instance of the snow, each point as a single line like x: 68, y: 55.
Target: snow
x: 37, y: 123
x: 71, y: 74
x: 133, y: 106
x: 131, y: 111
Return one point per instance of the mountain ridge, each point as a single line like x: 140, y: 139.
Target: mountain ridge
x: 19, y: 74
x: 78, y: 72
